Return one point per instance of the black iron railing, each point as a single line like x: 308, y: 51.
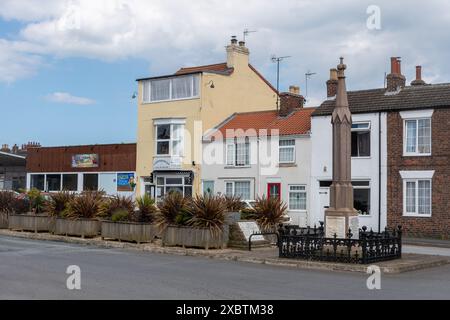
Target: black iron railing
x: 311, y: 244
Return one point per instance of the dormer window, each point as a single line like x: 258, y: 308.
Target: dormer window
x: 167, y: 89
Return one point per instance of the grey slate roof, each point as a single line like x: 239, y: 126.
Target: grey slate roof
x: 377, y: 100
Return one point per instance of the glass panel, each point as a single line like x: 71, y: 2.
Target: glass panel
x: 287, y: 143
x: 37, y: 181
x: 174, y: 181
x: 162, y: 147
x: 274, y: 190
x: 187, y: 191
x: 410, y: 197
x: 364, y: 125
x: 53, y: 182
x: 90, y: 181
x: 70, y: 182
x: 242, y: 189
x: 361, y: 144
x: 160, y: 89
x: 160, y: 181
x: 230, y: 154
x: 297, y: 198
x: 361, y: 201
x: 287, y: 154
x: 181, y: 87
x: 424, y: 196
x: 170, y: 189
x: 229, y: 189
x: 361, y: 183
x: 411, y: 132
x: 187, y: 181
x: 208, y: 187
x: 424, y: 136
x: 242, y: 154
x: 163, y: 132
x: 195, y: 85
x: 146, y: 90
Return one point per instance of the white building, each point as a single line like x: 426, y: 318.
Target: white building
x: 261, y: 154
x: 369, y: 161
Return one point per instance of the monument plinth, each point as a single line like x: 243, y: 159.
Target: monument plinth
x: 341, y: 216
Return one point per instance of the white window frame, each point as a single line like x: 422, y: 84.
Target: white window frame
x: 366, y: 129
x: 297, y: 191
x: 233, y: 183
x: 410, y: 176
x: 286, y: 147
x: 171, y: 140
x: 234, y: 143
x: 366, y: 187
x: 146, y: 86
x: 416, y: 197
x: 416, y: 115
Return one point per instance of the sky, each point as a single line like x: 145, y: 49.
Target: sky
x: 68, y: 67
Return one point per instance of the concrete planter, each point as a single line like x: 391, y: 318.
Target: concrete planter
x: 232, y: 217
x: 129, y: 231
x: 80, y: 227
x: 194, y: 237
x: 3, y: 220
x: 31, y: 222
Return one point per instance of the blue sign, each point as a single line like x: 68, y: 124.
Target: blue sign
x: 125, y: 182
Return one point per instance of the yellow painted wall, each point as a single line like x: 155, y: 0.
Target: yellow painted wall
x: 242, y: 91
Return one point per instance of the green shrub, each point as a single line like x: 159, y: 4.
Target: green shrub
x: 234, y: 203
x: 111, y: 205
x: 120, y: 215
x: 37, y: 201
x: 86, y: 205
x: 147, y: 209
x: 269, y: 212
x: 208, y: 212
x: 59, y: 203
x: 174, y: 209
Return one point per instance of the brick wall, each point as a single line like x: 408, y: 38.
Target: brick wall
x: 438, y: 225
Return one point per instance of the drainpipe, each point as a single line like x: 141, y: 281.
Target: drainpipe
x: 379, y: 172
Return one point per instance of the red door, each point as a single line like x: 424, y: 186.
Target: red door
x: 274, y: 190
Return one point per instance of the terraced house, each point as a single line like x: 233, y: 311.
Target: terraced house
x: 175, y: 110
x: 400, y: 154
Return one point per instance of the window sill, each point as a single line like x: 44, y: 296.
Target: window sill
x: 286, y: 164
x: 237, y: 167
x: 417, y: 154
x: 299, y: 211
x: 416, y: 215
x: 365, y: 157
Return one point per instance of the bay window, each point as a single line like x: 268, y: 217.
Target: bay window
x: 166, y: 89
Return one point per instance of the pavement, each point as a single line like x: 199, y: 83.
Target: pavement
x: 31, y: 269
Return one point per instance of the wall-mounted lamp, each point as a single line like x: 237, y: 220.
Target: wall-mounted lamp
x: 211, y: 84
x: 193, y: 163
x: 134, y: 96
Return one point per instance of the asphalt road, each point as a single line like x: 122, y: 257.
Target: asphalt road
x: 31, y: 269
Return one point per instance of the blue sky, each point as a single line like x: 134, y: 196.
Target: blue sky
x: 68, y: 67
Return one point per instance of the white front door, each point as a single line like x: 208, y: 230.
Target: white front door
x: 324, y: 200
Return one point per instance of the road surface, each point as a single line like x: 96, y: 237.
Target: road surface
x: 31, y: 269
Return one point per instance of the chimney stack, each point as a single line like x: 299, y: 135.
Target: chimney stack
x: 332, y: 83
x: 237, y: 54
x: 418, y: 81
x: 290, y: 101
x: 395, y: 80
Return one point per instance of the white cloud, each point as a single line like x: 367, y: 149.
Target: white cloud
x: 16, y: 64
x: 67, y: 98
x: 170, y: 34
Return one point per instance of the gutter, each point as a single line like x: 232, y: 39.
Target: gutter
x: 379, y: 172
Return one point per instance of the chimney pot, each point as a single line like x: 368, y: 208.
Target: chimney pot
x: 418, y: 81
x: 294, y: 89
x: 242, y: 43
x: 395, y: 79
x: 233, y: 40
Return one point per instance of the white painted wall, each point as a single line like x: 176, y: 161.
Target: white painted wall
x: 297, y: 173
x: 362, y: 168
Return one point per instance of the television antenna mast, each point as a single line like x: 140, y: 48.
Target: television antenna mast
x: 277, y: 60
x: 247, y: 32
x: 307, y: 77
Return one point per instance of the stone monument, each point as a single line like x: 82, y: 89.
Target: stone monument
x: 341, y: 216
